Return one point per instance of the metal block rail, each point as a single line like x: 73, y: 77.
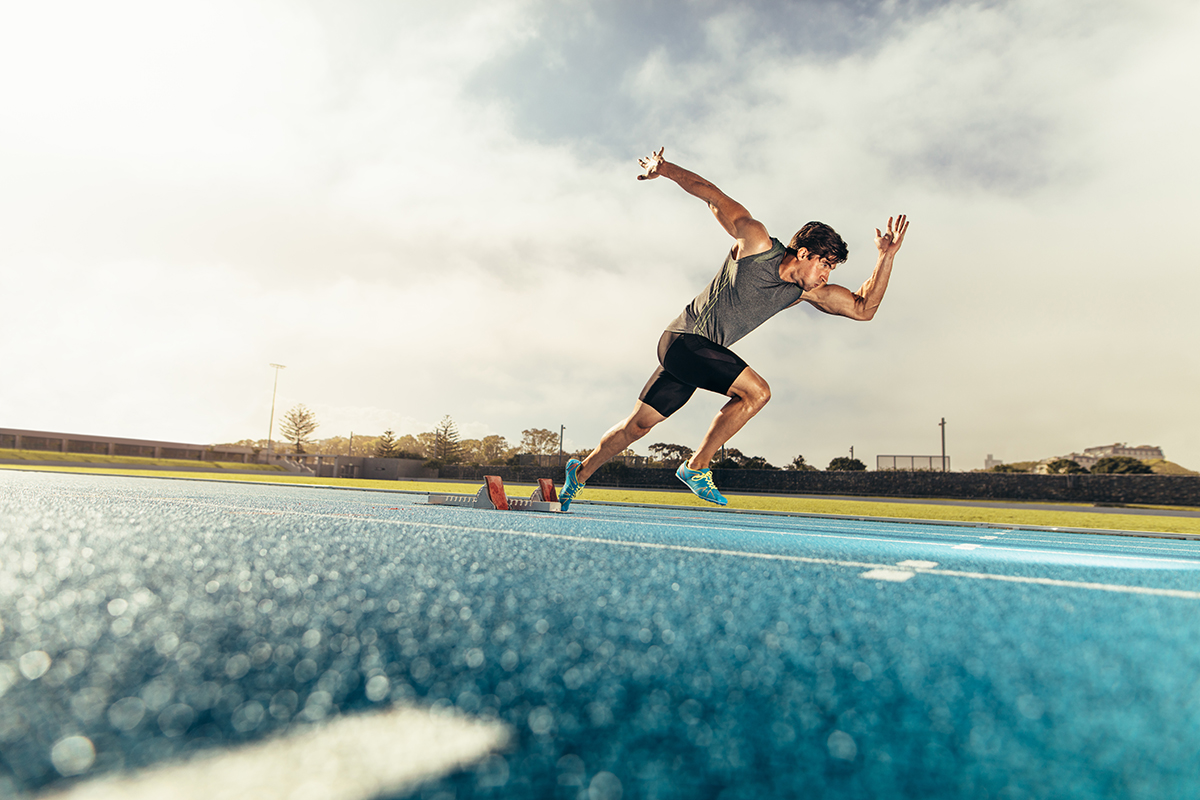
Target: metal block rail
x: 492, y: 497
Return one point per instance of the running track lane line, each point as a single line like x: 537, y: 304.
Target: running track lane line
x: 351, y: 757
x: 1102, y: 587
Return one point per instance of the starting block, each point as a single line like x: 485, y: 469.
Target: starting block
x: 491, y: 496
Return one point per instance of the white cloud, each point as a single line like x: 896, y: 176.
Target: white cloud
x: 217, y: 187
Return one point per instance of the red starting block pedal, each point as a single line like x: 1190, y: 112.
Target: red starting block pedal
x: 545, y: 491
x: 491, y: 496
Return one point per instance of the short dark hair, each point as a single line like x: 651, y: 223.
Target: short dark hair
x: 821, y: 240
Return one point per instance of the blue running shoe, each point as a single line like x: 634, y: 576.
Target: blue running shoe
x: 700, y: 481
x: 571, y: 485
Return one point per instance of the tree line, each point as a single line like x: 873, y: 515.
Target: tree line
x: 1109, y: 465
x: 444, y: 445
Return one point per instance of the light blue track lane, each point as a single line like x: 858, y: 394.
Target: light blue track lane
x: 633, y: 652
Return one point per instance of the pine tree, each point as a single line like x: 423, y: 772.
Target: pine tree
x: 386, y: 445
x: 298, y: 426
x: 446, y: 441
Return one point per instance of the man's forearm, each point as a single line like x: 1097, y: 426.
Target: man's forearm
x: 690, y: 182
x: 873, y: 289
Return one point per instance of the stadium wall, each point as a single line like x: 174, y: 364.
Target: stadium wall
x: 1176, y: 490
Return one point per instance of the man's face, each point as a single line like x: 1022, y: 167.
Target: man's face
x: 814, y: 269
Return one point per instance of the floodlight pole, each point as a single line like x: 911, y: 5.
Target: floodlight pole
x: 942, y: 424
x: 561, y: 430
x: 271, y: 428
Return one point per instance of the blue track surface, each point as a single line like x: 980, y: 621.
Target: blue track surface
x: 690, y: 654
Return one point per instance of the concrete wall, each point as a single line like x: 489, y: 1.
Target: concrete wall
x: 1179, y: 490
x: 54, y: 442
x: 380, y: 469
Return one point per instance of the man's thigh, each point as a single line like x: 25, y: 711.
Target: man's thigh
x: 704, y: 364
x: 664, y: 393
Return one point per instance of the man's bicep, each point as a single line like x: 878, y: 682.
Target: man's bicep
x: 730, y: 213
x: 751, y: 234
x: 834, y: 299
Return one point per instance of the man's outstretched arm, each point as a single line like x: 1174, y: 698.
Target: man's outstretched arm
x: 751, y: 235
x: 862, y: 305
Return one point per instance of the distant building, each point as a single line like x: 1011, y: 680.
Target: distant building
x: 14, y: 439
x: 990, y: 462
x: 1088, y: 458
x: 1141, y: 452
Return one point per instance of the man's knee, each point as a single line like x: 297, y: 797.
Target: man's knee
x: 753, y: 390
x: 641, y: 421
x: 637, y: 428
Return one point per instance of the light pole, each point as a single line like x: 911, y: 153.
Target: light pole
x: 271, y: 428
x: 942, y: 424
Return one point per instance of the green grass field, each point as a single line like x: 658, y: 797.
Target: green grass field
x: 1030, y: 514
x: 34, y: 456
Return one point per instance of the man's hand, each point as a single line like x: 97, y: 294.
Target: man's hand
x: 888, y: 243
x: 650, y: 164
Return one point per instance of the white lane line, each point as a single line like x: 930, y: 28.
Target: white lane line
x: 348, y: 758
x: 1177, y: 593
x: 840, y: 536
x: 1104, y: 587
x: 884, y: 574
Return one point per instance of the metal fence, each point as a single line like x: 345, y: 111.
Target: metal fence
x: 913, y: 463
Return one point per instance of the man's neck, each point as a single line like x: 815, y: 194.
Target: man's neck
x: 788, y: 269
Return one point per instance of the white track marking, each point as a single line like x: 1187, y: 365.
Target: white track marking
x: 1176, y: 593
x: 884, y: 574
x: 347, y: 758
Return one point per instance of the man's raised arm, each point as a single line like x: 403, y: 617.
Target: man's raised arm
x: 751, y: 235
x: 862, y: 305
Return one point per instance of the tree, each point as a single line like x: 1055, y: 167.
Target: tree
x: 298, y: 426
x: 732, y: 459
x: 386, y: 445
x: 757, y: 462
x: 493, y: 449
x: 1007, y: 468
x: 446, y: 445
x: 539, y: 441
x: 800, y: 465
x: 1121, y: 465
x: 736, y: 459
x: 844, y: 464
x: 427, y: 444
x: 671, y: 455
x: 1064, y: 466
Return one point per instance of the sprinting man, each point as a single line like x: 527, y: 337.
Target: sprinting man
x: 760, y: 277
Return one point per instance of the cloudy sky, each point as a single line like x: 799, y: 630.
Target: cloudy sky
x: 426, y: 209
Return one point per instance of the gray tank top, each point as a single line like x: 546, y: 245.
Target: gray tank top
x: 744, y: 294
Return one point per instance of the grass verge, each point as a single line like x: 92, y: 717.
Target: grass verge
x: 34, y: 456
x: 1018, y: 517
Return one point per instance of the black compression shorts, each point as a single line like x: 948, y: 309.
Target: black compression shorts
x: 689, y: 362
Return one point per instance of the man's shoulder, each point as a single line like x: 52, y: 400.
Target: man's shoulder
x: 766, y: 251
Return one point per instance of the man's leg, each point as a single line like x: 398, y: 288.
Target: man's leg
x: 750, y: 393
x: 619, y: 437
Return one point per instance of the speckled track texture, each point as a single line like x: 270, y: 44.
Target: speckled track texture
x: 631, y: 653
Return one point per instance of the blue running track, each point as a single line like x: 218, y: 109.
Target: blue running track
x: 629, y: 652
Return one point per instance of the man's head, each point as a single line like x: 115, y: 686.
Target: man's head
x: 820, y: 240
x: 817, y: 249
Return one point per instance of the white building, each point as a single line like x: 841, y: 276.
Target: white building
x: 1088, y: 458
